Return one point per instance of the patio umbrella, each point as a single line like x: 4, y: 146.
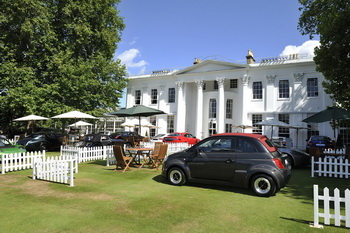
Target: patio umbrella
x: 80, y: 123
x: 272, y: 122
x: 330, y: 114
x: 137, y: 111
x: 243, y: 127
x: 32, y: 119
x: 74, y: 114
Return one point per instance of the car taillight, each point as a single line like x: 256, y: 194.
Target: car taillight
x: 117, y: 137
x: 278, y: 163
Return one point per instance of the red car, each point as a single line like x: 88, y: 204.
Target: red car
x: 181, y: 137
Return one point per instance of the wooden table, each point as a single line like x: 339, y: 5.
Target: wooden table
x: 138, y: 153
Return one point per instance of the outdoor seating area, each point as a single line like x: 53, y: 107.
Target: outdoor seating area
x: 139, y: 157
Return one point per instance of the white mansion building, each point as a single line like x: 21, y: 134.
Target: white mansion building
x: 217, y: 96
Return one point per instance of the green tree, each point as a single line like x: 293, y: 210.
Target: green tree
x: 331, y: 21
x: 57, y: 55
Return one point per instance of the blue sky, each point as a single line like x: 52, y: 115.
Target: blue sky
x: 170, y: 34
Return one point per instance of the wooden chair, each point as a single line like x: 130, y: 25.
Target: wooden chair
x: 157, y: 146
x: 122, y: 161
x: 315, y: 152
x: 157, y: 159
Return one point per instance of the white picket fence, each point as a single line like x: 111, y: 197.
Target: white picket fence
x: 337, y: 205
x: 330, y: 166
x: 85, y: 154
x: 58, y: 169
x: 19, y: 161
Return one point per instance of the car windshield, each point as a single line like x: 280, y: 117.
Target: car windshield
x: 322, y: 138
x: 4, y: 142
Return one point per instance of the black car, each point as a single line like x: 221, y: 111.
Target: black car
x: 42, y: 141
x: 129, y: 138
x: 234, y: 159
x: 92, y: 140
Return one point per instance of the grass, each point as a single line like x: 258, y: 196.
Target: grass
x: 142, y: 201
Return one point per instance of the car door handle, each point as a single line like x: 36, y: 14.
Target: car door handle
x: 229, y: 161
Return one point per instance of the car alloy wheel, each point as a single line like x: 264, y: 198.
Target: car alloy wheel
x: 263, y: 185
x: 176, y: 176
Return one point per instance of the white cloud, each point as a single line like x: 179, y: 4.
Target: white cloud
x: 128, y: 57
x: 306, y: 48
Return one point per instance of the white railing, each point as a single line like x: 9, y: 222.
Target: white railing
x: 85, y: 154
x: 334, y: 213
x: 19, y: 161
x: 330, y: 166
x: 58, y: 169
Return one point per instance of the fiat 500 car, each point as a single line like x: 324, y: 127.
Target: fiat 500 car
x: 234, y: 159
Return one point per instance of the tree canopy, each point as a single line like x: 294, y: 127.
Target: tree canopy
x: 57, y: 56
x: 331, y: 21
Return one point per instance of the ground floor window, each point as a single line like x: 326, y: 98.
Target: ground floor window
x: 257, y: 129
x: 170, y: 124
x: 283, y: 131
x: 212, y: 128
x: 228, y: 128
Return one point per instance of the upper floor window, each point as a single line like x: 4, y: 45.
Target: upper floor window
x: 137, y: 97
x: 154, y: 96
x: 216, y: 86
x: 257, y: 90
x: 233, y: 83
x: 212, y: 108
x: 312, y: 87
x: 171, y: 95
x: 283, y: 89
x: 229, y: 104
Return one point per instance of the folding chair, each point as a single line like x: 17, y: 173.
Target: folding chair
x: 157, y: 159
x: 122, y: 161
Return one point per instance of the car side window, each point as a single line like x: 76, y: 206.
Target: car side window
x: 243, y: 145
x: 216, y: 145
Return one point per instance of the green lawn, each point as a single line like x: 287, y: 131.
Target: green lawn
x: 142, y: 201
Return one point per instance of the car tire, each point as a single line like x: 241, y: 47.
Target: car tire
x: 290, y: 161
x: 176, y: 176
x: 263, y: 185
x: 43, y: 146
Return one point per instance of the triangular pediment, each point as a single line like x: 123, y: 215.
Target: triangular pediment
x: 210, y: 66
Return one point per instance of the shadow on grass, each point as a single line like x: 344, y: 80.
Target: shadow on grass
x: 161, y: 179
x: 297, y: 220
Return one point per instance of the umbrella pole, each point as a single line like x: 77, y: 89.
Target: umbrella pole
x: 139, y: 126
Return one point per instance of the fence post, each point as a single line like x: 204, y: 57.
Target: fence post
x: 312, y: 166
x: 71, y: 176
x: 316, y: 223
x: 347, y: 208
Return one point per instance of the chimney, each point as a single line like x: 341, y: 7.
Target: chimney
x: 196, y: 61
x: 250, y: 57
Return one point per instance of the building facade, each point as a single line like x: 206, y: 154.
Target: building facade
x: 213, y: 96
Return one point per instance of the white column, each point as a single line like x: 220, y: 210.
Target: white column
x: 245, y: 97
x: 221, y: 105
x: 181, y: 108
x: 199, y: 123
x: 270, y: 94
